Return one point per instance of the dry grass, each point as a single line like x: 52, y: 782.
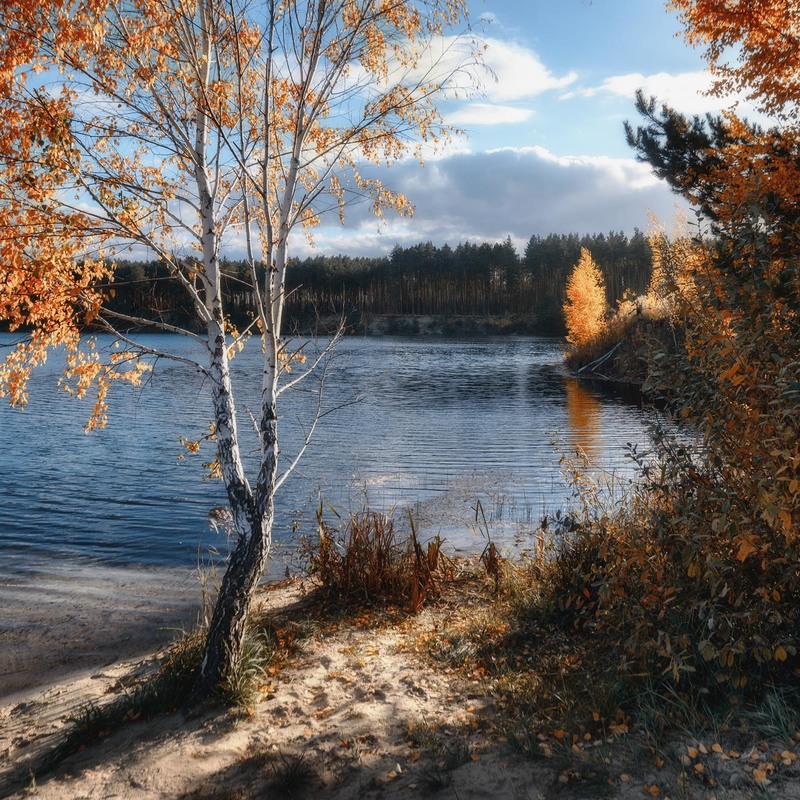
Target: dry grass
x: 365, y: 561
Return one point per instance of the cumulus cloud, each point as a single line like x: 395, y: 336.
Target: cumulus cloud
x: 517, y: 73
x: 508, y: 76
x: 514, y: 192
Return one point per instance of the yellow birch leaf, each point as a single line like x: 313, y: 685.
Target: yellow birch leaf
x: 760, y: 777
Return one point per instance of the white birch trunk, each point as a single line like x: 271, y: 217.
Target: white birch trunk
x: 252, y: 513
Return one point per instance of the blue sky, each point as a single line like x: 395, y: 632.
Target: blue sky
x: 545, y: 150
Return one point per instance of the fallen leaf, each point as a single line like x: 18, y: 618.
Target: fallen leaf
x: 618, y: 728
x: 760, y: 777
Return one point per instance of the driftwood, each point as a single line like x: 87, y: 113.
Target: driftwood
x: 600, y: 361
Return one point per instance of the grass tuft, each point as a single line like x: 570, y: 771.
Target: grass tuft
x: 164, y: 692
x: 366, y: 561
x: 241, y: 686
x: 291, y: 776
x: 776, y: 715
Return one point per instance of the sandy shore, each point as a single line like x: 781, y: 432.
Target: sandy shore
x: 356, y: 713
x: 74, y: 618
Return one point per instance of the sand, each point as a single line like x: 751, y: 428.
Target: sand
x: 359, y: 709
x: 71, y: 618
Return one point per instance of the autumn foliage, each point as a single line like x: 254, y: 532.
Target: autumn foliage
x: 172, y: 128
x: 696, y: 573
x: 585, y: 307
x: 117, y: 116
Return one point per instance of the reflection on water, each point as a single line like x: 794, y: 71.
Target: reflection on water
x: 442, y: 425
x: 584, y: 414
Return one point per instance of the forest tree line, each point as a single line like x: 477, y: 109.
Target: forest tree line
x: 478, y: 280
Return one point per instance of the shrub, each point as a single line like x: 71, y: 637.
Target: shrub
x: 661, y: 578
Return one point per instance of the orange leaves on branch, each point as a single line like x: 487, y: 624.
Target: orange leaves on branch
x: 763, y: 33
x: 172, y: 125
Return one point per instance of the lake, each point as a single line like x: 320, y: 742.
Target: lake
x: 442, y: 426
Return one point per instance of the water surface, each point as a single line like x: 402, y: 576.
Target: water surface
x: 442, y: 426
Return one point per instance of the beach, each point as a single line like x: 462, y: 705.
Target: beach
x: 75, y: 617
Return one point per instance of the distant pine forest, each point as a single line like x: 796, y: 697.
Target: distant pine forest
x: 490, y: 281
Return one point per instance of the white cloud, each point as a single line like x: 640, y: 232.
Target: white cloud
x: 513, y: 192
x: 489, y: 114
x: 686, y: 92
x: 492, y: 69
x: 620, y: 171
x: 518, y: 73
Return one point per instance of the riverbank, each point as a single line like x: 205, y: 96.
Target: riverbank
x: 624, y: 353
x: 361, y: 710
x: 444, y: 325
x: 77, y: 617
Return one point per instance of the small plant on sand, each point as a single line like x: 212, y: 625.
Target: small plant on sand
x: 446, y: 754
x: 290, y: 776
x: 366, y: 561
x: 776, y: 715
x: 241, y: 685
x: 168, y: 689
x: 163, y: 692
x: 424, y: 735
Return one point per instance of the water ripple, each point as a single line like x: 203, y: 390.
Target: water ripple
x: 441, y: 425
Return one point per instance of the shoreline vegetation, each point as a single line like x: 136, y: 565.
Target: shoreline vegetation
x: 638, y: 647
x: 647, y: 644
x: 393, y: 671
x: 643, y: 644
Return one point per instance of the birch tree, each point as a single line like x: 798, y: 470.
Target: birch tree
x: 175, y: 126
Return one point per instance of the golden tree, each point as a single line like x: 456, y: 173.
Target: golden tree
x: 744, y: 306
x: 763, y: 35
x: 175, y: 126
x: 585, y: 307
x: 749, y: 48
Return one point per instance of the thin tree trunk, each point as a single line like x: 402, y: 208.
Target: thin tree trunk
x: 253, y: 516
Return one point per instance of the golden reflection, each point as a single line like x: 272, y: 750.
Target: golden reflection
x: 583, y: 415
